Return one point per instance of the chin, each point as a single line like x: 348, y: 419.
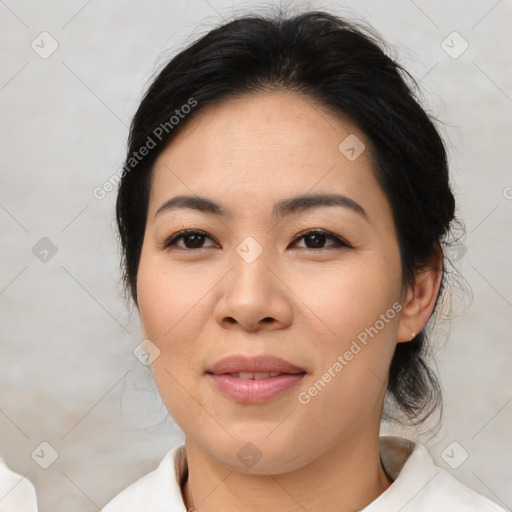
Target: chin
x: 260, y: 455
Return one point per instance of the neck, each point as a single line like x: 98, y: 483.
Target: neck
x: 347, y: 477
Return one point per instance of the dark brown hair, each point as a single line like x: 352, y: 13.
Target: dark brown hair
x: 341, y: 65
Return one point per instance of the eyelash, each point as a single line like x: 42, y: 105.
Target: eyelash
x: 168, y: 243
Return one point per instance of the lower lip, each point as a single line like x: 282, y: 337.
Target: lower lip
x: 255, y: 391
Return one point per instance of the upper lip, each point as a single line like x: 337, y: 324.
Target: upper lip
x: 260, y: 363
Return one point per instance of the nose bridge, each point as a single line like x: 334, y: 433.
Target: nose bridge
x: 251, y: 278
x: 251, y: 293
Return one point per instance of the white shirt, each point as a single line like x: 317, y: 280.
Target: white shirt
x: 418, y: 485
x: 17, y: 494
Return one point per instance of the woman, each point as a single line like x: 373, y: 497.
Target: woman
x: 282, y: 213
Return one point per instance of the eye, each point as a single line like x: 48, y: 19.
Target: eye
x: 317, y: 237
x: 193, y: 239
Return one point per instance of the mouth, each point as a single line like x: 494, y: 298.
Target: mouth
x: 254, y: 375
x: 253, y: 380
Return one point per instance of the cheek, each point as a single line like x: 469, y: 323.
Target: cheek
x: 356, y: 310
x: 172, y: 315
x: 351, y: 297
x: 169, y: 299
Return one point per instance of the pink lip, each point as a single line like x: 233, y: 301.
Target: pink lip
x: 253, y: 391
x: 261, y: 363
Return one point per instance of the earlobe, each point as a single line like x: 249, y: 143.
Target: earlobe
x: 419, y: 302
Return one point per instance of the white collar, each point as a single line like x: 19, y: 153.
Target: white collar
x: 16, y: 492
x: 418, y: 486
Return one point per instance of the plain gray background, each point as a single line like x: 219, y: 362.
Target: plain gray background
x: 68, y: 375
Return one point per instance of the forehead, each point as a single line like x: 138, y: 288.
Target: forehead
x: 258, y: 146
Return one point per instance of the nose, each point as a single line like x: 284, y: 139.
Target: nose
x: 254, y: 297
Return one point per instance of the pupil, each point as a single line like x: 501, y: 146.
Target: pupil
x: 197, y: 241
x: 318, y: 236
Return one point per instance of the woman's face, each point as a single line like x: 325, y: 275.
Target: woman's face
x: 253, y: 283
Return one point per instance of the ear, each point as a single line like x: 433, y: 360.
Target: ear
x: 420, y: 300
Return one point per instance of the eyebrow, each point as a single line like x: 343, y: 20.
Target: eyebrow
x: 281, y: 209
